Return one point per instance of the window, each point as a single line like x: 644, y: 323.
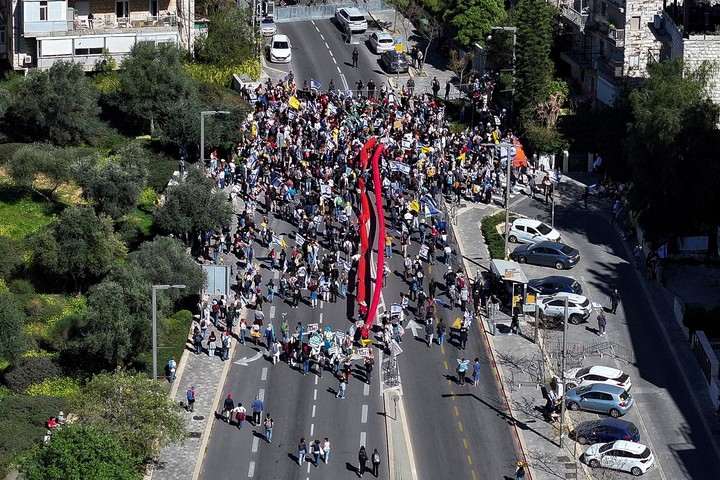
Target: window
x: 43, y: 11
x: 2, y: 35
x: 635, y: 24
x: 634, y: 61
x: 88, y: 51
x: 154, y: 8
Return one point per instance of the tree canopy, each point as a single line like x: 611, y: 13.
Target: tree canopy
x: 31, y: 162
x: 470, y: 21
x: 139, y: 414
x: 79, y: 244
x: 12, y: 324
x: 58, y: 105
x: 77, y: 452
x: 230, y: 38
x: 194, y: 206
x: 672, y: 150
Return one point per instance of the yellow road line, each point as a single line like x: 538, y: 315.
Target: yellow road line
x: 465, y: 443
x: 457, y: 411
x: 460, y: 426
x: 469, y: 459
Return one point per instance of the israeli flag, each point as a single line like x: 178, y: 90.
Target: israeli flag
x: 299, y: 239
x: 344, y: 265
x: 314, y: 84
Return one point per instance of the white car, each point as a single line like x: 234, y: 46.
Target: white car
x: 528, y: 230
x: 351, y: 17
x: 580, y: 377
x: 268, y: 27
x: 579, y: 306
x: 623, y: 455
x: 381, y: 42
x: 280, y: 49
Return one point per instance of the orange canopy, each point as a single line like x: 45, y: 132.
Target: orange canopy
x: 520, y: 159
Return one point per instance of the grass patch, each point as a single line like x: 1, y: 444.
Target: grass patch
x: 494, y: 241
x: 172, y: 338
x: 21, y: 217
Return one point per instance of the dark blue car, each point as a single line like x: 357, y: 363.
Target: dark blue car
x: 554, y: 284
x: 604, y: 431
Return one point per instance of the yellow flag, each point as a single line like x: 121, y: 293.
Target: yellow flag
x: 425, y: 149
x: 294, y: 102
x: 414, y: 206
x: 283, y: 243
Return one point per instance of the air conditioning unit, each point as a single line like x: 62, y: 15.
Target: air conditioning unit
x: 27, y: 60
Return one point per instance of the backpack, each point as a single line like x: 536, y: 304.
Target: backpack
x: 268, y: 423
x: 376, y: 458
x: 240, y: 416
x: 190, y: 395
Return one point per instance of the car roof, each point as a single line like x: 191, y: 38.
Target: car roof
x: 268, y: 20
x: 605, y: 422
x: 549, y: 243
x: 352, y: 11
x: 604, y: 387
x: 279, y: 37
x: 605, y: 371
x: 628, y: 446
x: 572, y: 297
x: 383, y: 36
x: 554, y: 279
x: 526, y: 221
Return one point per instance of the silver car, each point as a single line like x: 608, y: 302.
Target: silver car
x: 268, y: 27
x: 380, y: 42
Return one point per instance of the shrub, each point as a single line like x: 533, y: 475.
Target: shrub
x: 222, y: 75
x: 21, y: 287
x: 147, y: 199
x: 7, y: 150
x: 172, y: 338
x: 64, y: 387
x: 28, y: 371
x: 22, y: 424
x: 494, y: 241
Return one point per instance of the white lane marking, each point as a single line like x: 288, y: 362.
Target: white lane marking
x: 263, y: 375
x: 315, y: 395
x: 366, y: 389
x: 313, y: 22
x: 364, y: 414
x: 312, y: 429
x: 316, y: 380
x: 276, y: 274
x: 313, y: 412
x: 327, y: 46
x: 322, y: 304
x: 363, y: 437
x: 272, y: 313
x: 322, y: 36
x: 256, y: 442
x: 321, y: 315
x: 334, y: 61
x: 251, y: 469
x: 261, y: 394
x: 343, y: 79
x: 330, y: 51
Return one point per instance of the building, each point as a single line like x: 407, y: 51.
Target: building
x: 38, y: 33
x: 611, y: 42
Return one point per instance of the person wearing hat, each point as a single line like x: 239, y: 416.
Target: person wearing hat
x: 520, y: 471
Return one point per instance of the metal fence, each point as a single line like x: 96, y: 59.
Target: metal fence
x: 314, y: 10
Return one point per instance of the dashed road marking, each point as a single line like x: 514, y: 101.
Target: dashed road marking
x: 312, y: 429
x: 272, y: 312
x: 366, y: 389
x: 446, y: 365
x: 327, y: 46
x: 465, y: 443
x: 457, y: 411
x: 334, y: 61
x: 363, y: 438
x: 315, y: 395
x: 261, y: 394
x: 322, y: 36
x: 251, y: 469
x: 364, y: 414
x: 469, y: 458
x: 322, y: 304
x: 460, y: 426
x: 313, y: 411
x: 321, y: 317
x: 263, y: 374
x: 256, y: 442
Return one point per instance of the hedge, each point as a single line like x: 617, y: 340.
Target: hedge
x: 222, y: 76
x: 494, y: 241
x: 30, y: 370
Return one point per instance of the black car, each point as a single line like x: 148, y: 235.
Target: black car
x: 604, y: 431
x: 394, y: 62
x: 554, y: 284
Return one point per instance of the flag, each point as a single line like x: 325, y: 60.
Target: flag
x: 430, y: 205
x: 279, y: 240
x: 299, y: 239
x: 662, y: 251
x: 294, y: 102
x: 314, y: 84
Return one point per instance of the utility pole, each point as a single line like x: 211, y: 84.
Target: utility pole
x: 562, y: 372
x: 507, y: 198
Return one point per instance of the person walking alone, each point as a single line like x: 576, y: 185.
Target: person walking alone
x: 341, y: 388
x: 520, y: 471
x: 228, y: 406
x: 326, y: 450
x: 191, y: 399
x: 375, y: 462
x: 429, y: 331
x: 476, y: 372
x: 257, y: 409
x: 355, y: 56
x: 269, y: 425
x: 362, y: 460
x: 614, y: 301
x: 602, y: 322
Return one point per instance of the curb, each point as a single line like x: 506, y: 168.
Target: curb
x: 392, y: 462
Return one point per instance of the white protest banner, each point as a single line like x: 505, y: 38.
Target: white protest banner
x: 340, y: 336
x: 299, y: 239
x: 334, y: 350
x: 395, y: 349
x: 315, y: 342
x: 424, y: 251
x: 363, y: 352
x: 312, y: 327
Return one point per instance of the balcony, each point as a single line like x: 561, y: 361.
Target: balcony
x: 578, y: 19
x: 608, y: 67
x: 104, y: 25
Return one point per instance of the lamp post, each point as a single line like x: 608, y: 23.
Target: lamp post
x: 155, y: 288
x: 202, y: 128
x: 514, y: 38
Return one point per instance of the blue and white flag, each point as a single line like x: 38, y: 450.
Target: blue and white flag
x: 431, y: 206
x: 314, y: 84
x: 396, y: 166
x: 299, y: 239
x: 344, y: 265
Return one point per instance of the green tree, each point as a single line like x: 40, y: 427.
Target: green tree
x: 32, y: 161
x: 193, y: 206
x: 153, y: 83
x: 11, y: 256
x: 12, y: 324
x: 59, y: 105
x: 78, y: 452
x: 113, y: 184
x: 230, y: 38
x: 470, y: 21
x: 672, y: 146
x: 80, y: 244
x: 139, y: 414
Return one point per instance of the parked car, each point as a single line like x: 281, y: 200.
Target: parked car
x: 605, y: 430
x: 550, y: 254
x: 632, y: 457
x: 280, y: 49
x: 599, y: 398
x: 381, y: 42
x: 268, y: 27
x: 554, y: 284
x: 528, y: 230
x: 351, y: 17
x: 579, y: 307
x: 394, y: 62
x: 597, y: 374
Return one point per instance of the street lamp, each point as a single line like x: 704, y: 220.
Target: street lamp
x: 202, y: 128
x: 155, y: 288
x: 514, y: 37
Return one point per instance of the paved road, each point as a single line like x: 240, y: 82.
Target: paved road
x: 666, y: 409
x: 320, y: 53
